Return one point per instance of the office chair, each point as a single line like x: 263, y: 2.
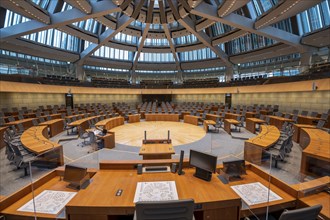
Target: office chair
x: 172, y: 209
x: 309, y: 213
x: 320, y: 124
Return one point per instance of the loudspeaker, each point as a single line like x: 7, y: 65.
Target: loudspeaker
x: 139, y: 169
x: 173, y: 167
x: 314, y: 87
x: 180, y: 171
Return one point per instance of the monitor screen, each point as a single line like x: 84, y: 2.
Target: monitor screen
x: 203, y: 161
x: 73, y: 174
x: 234, y: 168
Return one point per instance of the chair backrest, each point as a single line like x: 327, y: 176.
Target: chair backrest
x: 324, y: 116
x: 314, y: 114
x: 11, y: 118
x: 304, y: 113
x: 309, y: 213
x: 35, y: 122
x: 41, y: 119
x: 172, y: 209
x: 320, y: 124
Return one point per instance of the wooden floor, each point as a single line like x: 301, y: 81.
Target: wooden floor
x: 180, y: 133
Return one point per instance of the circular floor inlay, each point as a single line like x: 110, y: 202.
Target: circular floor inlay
x: 180, y: 133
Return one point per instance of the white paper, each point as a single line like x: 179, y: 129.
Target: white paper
x: 48, y: 202
x: 155, y: 191
x: 255, y: 193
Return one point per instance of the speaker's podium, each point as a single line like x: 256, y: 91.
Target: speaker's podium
x: 156, y: 148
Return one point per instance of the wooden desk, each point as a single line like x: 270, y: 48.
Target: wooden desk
x: 231, y: 115
x: 228, y: 123
x: 213, y: 117
x: 254, y: 174
x: 316, y: 154
x: 27, y: 123
x: 56, y: 126
x: 109, y: 139
x: 307, y: 120
x: 297, y: 127
x: 110, y: 123
x: 266, y: 112
x: 314, y: 196
x: 162, y: 117
x: 156, y: 151
x: 35, y: 139
x: 2, y: 140
x: 322, y: 198
x: 50, y: 181
x: 191, y: 119
x: 278, y: 121
x: 251, y: 124
x: 254, y: 147
x: 250, y: 114
x: 133, y: 118
x: 82, y: 123
x: 55, y: 116
x: 213, y: 199
x: 206, y: 124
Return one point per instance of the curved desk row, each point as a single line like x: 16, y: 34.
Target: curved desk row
x: 315, y: 158
x: 83, y: 123
x: 162, y: 117
x: 254, y: 147
x: 35, y: 139
x: 56, y: 126
x: 191, y: 119
x: 110, y: 122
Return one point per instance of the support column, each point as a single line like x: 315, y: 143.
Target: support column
x: 229, y: 74
x: 133, y: 77
x: 305, y: 61
x: 179, y: 78
x: 80, y: 73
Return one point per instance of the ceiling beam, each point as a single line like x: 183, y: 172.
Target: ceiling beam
x: 230, y: 6
x: 82, y: 5
x: 205, y: 39
x: 170, y: 41
x: 58, y: 20
x: 145, y: 31
x: 122, y: 23
x: 140, y: 46
x: 27, y: 9
x: 190, y: 25
x: 284, y: 10
x: 247, y: 24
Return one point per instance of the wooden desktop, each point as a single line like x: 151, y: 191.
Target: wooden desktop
x: 316, y: 151
x: 206, y: 124
x: 156, y: 149
x: 134, y: 118
x: 110, y: 123
x: 191, y: 119
x: 254, y: 147
x: 228, y: 123
x: 162, y: 117
x: 56, y: 126
x: 35, y: 139
x: 213, y: 199
x: 27, y: 123
x: 108, y: 139
x: 251, y: 124
x: 278, y: 121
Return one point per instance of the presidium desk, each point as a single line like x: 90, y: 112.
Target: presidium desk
x: 213, y: 200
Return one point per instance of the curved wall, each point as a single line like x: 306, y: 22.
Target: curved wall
x: 295, y: 95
